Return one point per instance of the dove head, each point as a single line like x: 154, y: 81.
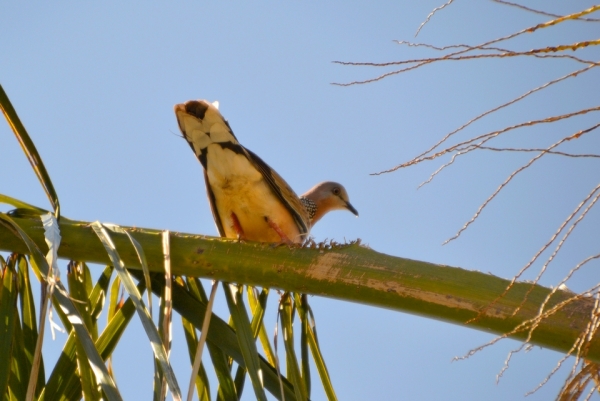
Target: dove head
x: 328, y: 196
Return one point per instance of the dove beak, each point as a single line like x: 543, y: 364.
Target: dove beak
x: 352, y: 209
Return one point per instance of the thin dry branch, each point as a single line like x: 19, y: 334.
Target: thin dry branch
x: 546, y: 246
x: 558, y: 18
x: 443, y: 166
x: 582, y: 348
x: 557, y: 288
x: 513, y: 101
x: 539, y: 52
x: 593, y: 327
x: 526, y: 325
x: 556, y: 368
x: 435, y: 10
x: 567, y: 278
x: 507, y: 361
x: 550, y: 152
x: 573, y: 16
x: 542, y: 12
x: 490, y: 135
x: 553, y: 255
x: 453, y: 56
x: 572, y: 389
x: 543, y: 25
x: 581, y: 379
x: 460, y: 152
x: 469, y: 48
x: 379, y: 78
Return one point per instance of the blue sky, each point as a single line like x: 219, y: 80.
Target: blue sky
x: 95, y: 85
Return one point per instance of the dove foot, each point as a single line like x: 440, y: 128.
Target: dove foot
x: 237, y: 227
x: 279, y: 231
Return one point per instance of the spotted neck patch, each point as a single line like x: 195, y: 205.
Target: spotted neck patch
x: 310, y: 206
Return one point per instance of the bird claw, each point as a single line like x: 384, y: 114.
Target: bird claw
x: 284, y: 238
x: 238, y: 228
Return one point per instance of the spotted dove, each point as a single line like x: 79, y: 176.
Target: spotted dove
x: 248, y: 199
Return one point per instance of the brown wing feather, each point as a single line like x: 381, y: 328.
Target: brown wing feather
x: 283, y: 191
